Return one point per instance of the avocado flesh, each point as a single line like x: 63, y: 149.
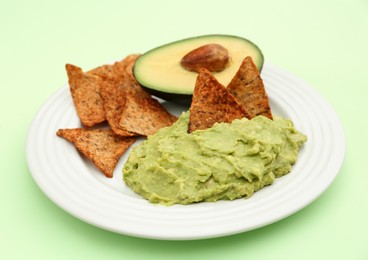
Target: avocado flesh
x: 160, y: 73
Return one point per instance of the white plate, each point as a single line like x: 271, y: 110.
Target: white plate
x: 75, y: 185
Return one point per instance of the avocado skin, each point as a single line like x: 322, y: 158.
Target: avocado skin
x: 180, y: 99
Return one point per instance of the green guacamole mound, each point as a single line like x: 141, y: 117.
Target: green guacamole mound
x: 225, y: 162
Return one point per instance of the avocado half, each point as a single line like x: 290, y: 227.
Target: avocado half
x: 160, y: 73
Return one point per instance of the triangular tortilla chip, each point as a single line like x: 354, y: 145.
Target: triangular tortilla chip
x: 118, y: 83
x: 247, y: 86
x: 144, y: 115
x: 101, y: 146
x: 85, y: 90
x: 113, y: 96
x: 212, y: 103
x: 141, y: 114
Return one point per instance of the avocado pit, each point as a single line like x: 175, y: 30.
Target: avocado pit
x: 213, y: 57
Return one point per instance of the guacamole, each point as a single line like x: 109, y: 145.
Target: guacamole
x: 225, y: 162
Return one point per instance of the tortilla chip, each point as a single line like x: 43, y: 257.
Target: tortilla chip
x: 101, y: 146
x: 113, y: 97
x: 144, y: 116
x: 85, y: 90
x: 212, y: 103
x: 141, y: 114
x: 104, y: 72
x: 118, y: 83
x: 247, y: 86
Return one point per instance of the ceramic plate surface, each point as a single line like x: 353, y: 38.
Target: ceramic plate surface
x: 75, y: 185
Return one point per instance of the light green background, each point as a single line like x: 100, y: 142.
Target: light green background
x: 323, y: 42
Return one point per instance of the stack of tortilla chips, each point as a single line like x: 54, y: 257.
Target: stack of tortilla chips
x: 111, y: 93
